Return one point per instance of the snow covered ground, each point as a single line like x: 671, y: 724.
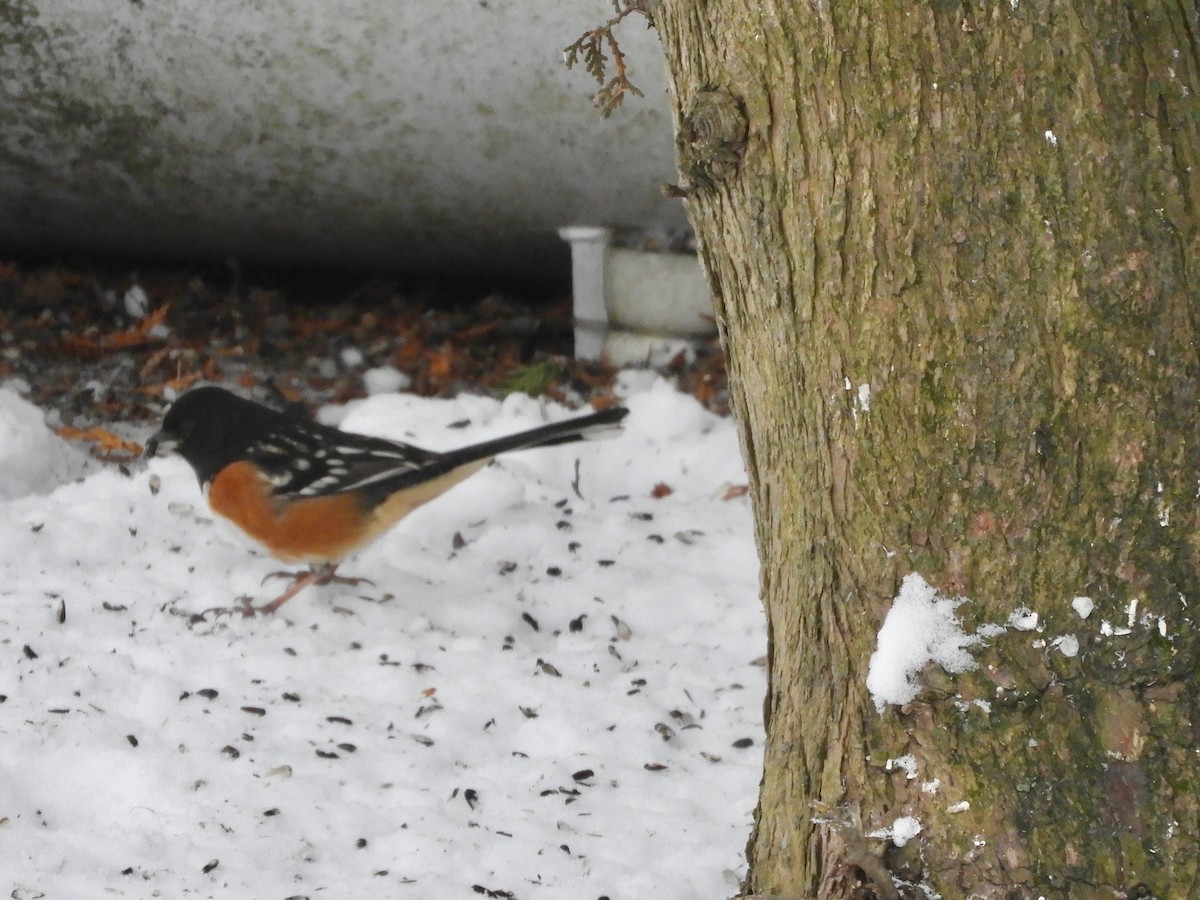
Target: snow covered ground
x: 553, y: 688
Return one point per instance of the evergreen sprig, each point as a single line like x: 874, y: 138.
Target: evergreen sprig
x: 591, y: 47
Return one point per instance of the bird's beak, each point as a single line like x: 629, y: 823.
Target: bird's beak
x: 160, y: 444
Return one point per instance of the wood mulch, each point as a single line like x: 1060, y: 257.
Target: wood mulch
x: 104, y: 349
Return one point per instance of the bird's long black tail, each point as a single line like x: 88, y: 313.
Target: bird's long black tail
x: 600, y: 424
x: 582, y: 428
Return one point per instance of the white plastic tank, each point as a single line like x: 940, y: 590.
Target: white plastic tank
x: 444, y: 136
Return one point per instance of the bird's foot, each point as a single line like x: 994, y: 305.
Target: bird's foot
x: 325, y: 574
x: 318, y: 575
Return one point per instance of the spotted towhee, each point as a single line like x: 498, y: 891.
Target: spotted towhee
x: 313, y: 494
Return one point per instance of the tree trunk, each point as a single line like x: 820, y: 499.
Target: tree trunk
x: 951, y: 246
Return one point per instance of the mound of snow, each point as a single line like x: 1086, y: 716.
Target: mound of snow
x: 33, y: 459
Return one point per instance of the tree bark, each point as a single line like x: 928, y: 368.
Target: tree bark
x: 951, y: 247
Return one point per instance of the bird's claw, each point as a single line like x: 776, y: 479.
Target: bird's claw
x: 245, y: 608
x: 300, y: 580
x: 323, y: 575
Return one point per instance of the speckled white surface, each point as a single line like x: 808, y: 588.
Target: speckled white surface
x: 564, y: 702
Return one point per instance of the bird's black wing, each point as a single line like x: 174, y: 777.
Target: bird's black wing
x: 305, y: 459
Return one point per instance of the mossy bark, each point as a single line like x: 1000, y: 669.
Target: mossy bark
x: 953, y: 249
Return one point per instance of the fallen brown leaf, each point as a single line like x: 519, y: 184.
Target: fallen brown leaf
x: 102, y: 437
x: 441, y: 364
x: 152, y: 362
x: 140, y: 333
x: 477, y: 332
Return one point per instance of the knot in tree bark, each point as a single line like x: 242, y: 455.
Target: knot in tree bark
x: 713, y: 138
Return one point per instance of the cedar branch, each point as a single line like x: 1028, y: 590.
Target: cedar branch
x: 591, y: 46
